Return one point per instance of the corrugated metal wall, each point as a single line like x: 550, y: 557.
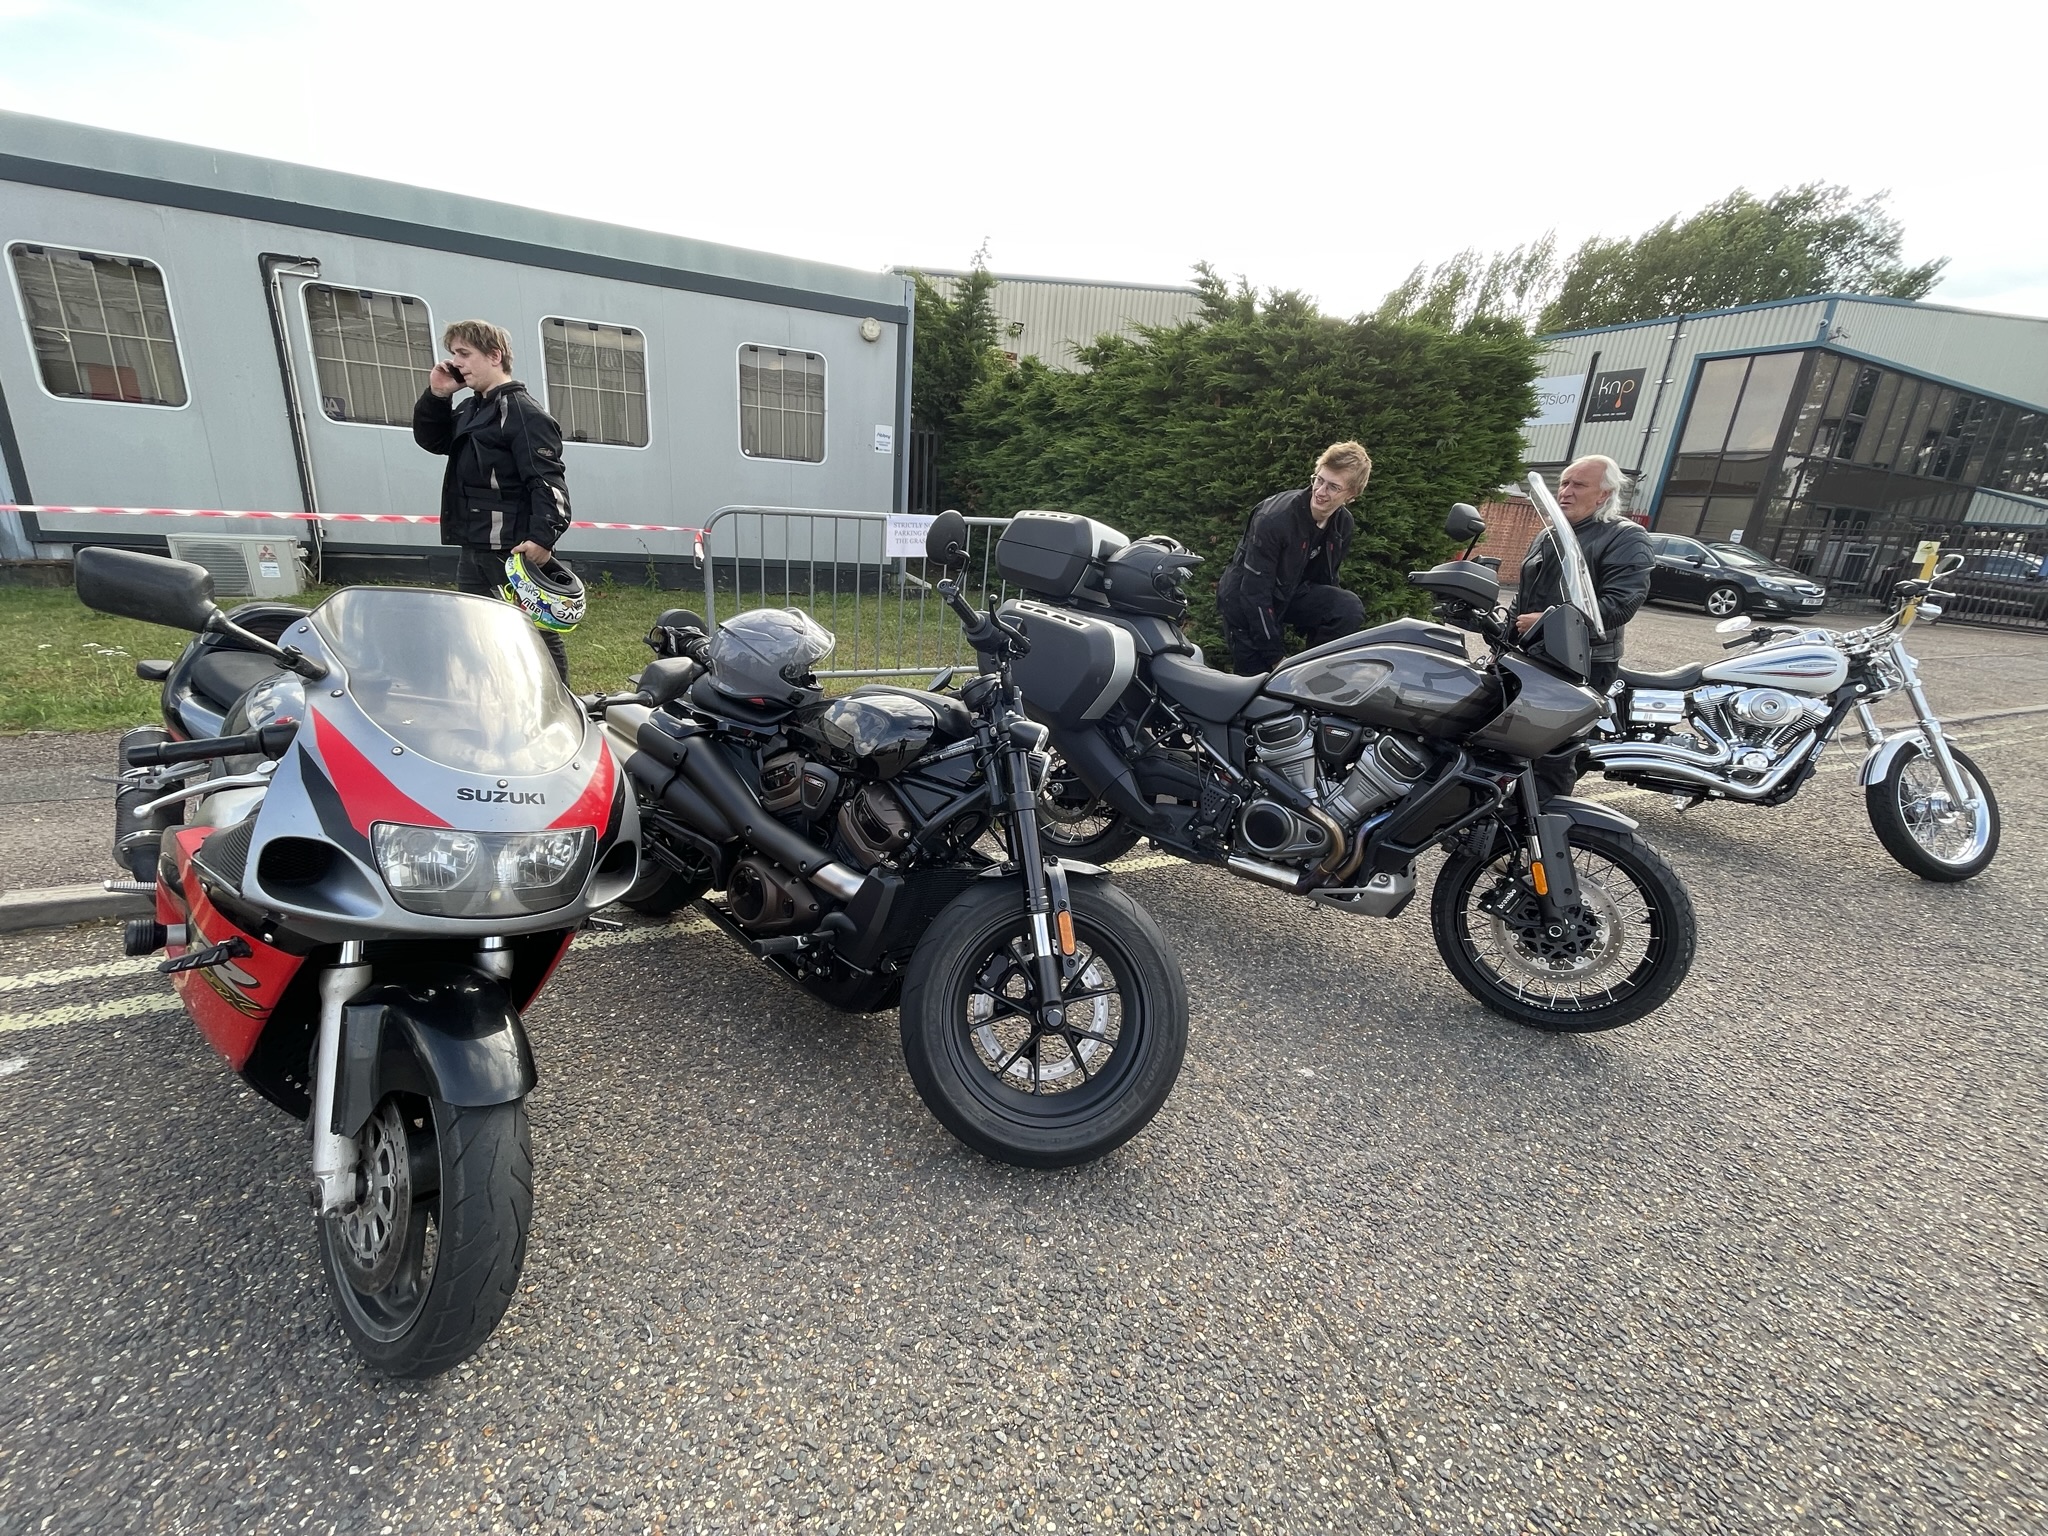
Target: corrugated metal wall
x: 2004, y: 354
x: 1050, y: 318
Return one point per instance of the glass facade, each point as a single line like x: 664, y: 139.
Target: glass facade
x: 1838, y: 467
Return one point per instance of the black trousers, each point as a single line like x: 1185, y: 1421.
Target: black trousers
x: 1558, y: 773
x: 482, y: 571
x: 1320, y: 613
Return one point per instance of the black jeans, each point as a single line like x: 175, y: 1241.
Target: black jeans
x: 482, y: 571
x: 1558, y: 773
x: 1320, y: 613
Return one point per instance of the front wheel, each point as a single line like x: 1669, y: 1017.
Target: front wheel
x: 1620, y: 956
x: 1921, y: 825
x: 1724, y: 602
x: 997, y: 1072
x: 427, y: 1262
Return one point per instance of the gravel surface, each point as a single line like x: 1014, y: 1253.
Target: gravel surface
x: 1768, y: 1261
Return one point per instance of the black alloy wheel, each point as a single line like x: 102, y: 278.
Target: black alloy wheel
x: 1005, y: 1075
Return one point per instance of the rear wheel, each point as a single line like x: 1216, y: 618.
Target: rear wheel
x: 1073, y: 824
x: 425, y: 1265
x: 1623, y: 952
x: 1014, y: 1084
x: 1921, y: 825
x: 1724, y: 601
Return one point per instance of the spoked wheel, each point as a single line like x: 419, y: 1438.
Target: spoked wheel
x: 1073, y: 824
x: 1024, y: 1083
x: 1623, y: 952
x: 1920, y: 823
x: 427, y: 1262
x: 1724, y: 601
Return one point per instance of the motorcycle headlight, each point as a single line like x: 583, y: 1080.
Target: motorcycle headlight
x: 442, y: 872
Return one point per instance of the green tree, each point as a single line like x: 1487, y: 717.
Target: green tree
x: 954, y: 354
x: 1473, y: 291
x: 1741, y: 250
x: 1182, y: 430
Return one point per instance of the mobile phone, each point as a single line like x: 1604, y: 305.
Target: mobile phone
x: 453, y: 371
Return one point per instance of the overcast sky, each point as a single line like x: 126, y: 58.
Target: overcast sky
x: 1324, y: 147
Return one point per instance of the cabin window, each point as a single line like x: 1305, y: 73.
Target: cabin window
x: 782, y: 404
x: 372, y: 353
x: 597, y: 381
x: 101, y: 325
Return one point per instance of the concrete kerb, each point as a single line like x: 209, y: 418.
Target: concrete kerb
x: 59, y: 906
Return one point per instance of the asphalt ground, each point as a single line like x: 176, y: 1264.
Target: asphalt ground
x: 1771, y: 1260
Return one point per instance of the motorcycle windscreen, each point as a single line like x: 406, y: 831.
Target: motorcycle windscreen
x: 1578, y: 581
x: 463, y: 681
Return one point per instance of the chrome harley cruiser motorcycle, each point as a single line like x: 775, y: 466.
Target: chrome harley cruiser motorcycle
x: 1330, y: 776
x: 1752, y: 729
x: 1043, y: 1013
x: 371, y: 832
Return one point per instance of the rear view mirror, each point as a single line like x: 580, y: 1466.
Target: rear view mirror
x: 945, y: 542
x: 664, y: 680
x: 1948, y: 565
x: 1464, y: 522
x: 1734, y: 626
x: 147, y: 587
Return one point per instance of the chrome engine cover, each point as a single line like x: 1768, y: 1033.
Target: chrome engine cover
x: 1655, y: 706
x: 1767, y: 707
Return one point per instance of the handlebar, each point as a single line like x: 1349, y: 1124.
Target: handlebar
x: 982, y: 628
x: 267, y: 741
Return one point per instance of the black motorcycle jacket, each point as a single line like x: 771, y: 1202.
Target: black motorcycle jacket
x: 504, y: 483
x: 1278, y: 556
x: 1618, y: 557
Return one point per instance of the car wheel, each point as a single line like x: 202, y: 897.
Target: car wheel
x: 1724, y: 602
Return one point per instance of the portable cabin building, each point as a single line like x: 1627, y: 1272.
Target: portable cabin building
x: 201, y: 330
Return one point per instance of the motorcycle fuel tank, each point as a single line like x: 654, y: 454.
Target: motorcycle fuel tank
x: 883, y: 733
x: 1797, y: 665
x: 1397, y: 687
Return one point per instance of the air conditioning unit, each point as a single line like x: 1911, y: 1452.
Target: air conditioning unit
x: 244, y: 567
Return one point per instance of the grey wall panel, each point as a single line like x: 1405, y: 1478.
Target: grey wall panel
x: 1054, y: 317
x: 2001, y: 354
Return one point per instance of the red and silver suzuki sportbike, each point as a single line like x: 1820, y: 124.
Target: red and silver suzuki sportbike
x: 371, y: 834
x: 1752, y: 729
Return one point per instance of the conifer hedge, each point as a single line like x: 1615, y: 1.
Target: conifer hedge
x: 1184, y: 429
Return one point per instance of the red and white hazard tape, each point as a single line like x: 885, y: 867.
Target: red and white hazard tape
x: 310, y: 517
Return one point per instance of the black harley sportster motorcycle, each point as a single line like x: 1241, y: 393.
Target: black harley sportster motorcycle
x: 1330, y: 776
x: 1043, y: 1012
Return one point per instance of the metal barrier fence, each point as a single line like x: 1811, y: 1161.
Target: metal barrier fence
x: 836, y: 566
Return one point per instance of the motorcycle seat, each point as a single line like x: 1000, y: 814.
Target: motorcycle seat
x: 1677, y: 680
x: 956, y: 720
x: 1207, y: 695
x: 221, y: 676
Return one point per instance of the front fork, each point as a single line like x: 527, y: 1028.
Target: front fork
x: 334, y: 1155
x: 1046, y: 896
x: 1930, y: 732
x: 1550, y: 855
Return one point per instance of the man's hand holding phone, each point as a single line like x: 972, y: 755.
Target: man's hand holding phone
x: 445, y: 379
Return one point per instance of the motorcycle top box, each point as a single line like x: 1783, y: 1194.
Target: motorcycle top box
x: 1050, y: 553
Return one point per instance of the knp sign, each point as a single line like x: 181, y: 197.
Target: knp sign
x: 1614, y: 395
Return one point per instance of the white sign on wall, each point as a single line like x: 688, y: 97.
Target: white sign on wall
x: 906, y: 536
x: 1557, y: 400
x: 885, y: 439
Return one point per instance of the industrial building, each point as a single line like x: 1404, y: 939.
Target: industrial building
x: 1833, y: 433
x: 209, y: 331
x: 1052, y: 318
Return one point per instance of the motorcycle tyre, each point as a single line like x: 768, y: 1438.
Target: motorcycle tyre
x: 1881, y: 800
x: 1112, y: 842
x: 484, y: 1208
x: 1681, y: 929
x: 672, y: 895
x: 1031, y: 1131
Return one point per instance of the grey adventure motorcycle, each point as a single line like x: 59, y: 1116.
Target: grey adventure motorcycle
x: 1043, y: 1014
x: 371, y: 830
x: 1330, y: 776
x: 1752, y: 730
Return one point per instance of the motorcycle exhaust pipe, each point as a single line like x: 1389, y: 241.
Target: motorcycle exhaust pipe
x: 714, y: 779
x: 1271, y: 874
x: 1685, y: 776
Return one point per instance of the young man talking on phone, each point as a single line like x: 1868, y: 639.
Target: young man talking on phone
x: 504, y: 491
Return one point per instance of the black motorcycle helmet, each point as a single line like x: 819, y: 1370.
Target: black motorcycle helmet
x: 1149, y: 575
x: 767, y: 655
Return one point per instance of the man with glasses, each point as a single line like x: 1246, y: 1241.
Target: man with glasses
x: 1285, y: 571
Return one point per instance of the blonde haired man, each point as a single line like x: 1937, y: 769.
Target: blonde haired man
x: 1285, y: 571
x: 504, y: 491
